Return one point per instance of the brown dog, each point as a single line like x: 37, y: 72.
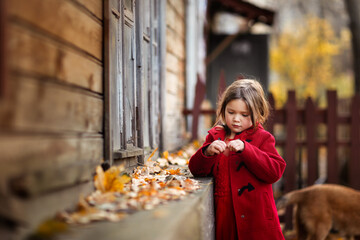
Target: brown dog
x: 324, y: 209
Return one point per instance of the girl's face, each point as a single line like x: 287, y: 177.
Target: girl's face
x: 237, y: 116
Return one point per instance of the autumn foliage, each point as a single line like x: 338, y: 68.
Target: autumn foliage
x: 308, y: 60
x: 118, y: 193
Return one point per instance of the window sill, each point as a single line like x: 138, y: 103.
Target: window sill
x: 133, y: 152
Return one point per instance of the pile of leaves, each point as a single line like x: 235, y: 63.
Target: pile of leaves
x: 119, y: 194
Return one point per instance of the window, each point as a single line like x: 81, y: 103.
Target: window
x: 132, y: 82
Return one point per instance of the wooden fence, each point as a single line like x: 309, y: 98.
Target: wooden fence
x: 302, y: 155
x: 310, y: 118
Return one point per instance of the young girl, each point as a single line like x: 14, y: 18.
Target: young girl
x: 242, y: 157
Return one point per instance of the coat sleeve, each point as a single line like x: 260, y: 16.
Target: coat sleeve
x: 199, y: 164
x: 264, y: 161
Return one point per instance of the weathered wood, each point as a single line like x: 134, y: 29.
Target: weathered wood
x: 178, y: 6
x: 191, y: 218
x: 171, y: 85
x: 311, y: 146
x: 94, y: 6
x: 62, y: 19
x: 33, y: 211
x: 331, y: 120
x: 175, y: 18
x: 49, y: 179
x: 3, y: 43
x: 354, y: 163
x: 290, y: 149
x: 47, y: 107
x: 269, y: 125
x: 33, y: 53
x: 175, y: 44
x: 111, y: 37
x: 128, y: 153
x: 172, y: 64
x: 200, y: 90
x: 23, y: 156
x: 290, y: 145
x: 222, y: 84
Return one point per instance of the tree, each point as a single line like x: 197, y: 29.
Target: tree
x: 304, y: 61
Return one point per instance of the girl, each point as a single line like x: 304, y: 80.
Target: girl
x: 242, y: 157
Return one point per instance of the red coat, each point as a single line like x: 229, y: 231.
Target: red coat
x: 252, y: 173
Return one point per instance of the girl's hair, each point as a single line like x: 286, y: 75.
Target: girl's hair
x: 253, y: 95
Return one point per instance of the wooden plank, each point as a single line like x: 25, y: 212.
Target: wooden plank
x: 173, y: 221
x: 271, y: 120
x: 94, y: 6
x: 290, y: 145
x: 179, y: 7
x: 172, y: 85
x: 175, y: 18
x: 175, y: 44
x: 354, y: 164
x: 290, y: 149
x: 199, y: 97
x: 3, y: 44
x: 40, y: 154
x: 33, y: 211
x: 45, y: 180
x: 112, y: 116
x: 62, y: 19
x: 173, y: 64
x: 48, y: 107
x: 331, y: 117
x: 36, y: 54
x: 312, y: 156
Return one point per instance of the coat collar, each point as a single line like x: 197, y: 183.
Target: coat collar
x: 218, y: 132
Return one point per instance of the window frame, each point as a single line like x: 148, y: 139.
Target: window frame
x: 115, y: 79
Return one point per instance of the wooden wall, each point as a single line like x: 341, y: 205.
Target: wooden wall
x: 51, y: 115
x: 174, y: 121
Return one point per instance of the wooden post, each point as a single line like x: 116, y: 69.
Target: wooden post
x: 331, y: 120
x: 271, y: 120
x: 354, y: 164
x: 222, y: 83
x: 290, y: 148
x: 3, y: 50
x: 199, y: 97
x: 311, y: 121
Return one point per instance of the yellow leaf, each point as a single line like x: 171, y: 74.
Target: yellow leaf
x: 152, y: 154
x: 50, y: 228
x: 99, y: 179
x: 166, y: 154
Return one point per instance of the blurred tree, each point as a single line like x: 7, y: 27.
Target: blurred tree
x: 304, y: 61
x: 353, y: 7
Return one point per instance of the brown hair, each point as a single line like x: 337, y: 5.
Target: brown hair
x: 253, y: 95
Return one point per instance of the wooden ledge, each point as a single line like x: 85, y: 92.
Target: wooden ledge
x: 189, y: 218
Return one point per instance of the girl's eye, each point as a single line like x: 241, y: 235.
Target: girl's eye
x: 245, y: 115
x: 230, y: 112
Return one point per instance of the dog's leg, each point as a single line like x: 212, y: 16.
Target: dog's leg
x: 323, y: 228
x: 314, y: 226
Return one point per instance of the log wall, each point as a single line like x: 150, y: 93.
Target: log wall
x: 51, y: 112
x: 175, y: 75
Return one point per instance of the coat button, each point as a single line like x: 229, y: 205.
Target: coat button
x: 242, y: 216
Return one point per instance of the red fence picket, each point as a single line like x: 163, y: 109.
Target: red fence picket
x: 291, y: 117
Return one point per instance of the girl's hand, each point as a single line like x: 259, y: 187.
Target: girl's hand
x: 236, y: 145
x: 215, y: 147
